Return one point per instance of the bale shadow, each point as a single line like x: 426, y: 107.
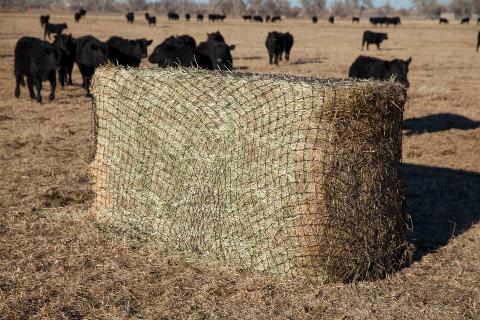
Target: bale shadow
x: 438, y: 122
x: 442, y: 203
x: 6, y: 55
x: 241, y: 68
x: 307, y: 61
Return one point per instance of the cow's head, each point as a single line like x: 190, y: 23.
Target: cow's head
x: 140, y: 47
x: 398, y: 69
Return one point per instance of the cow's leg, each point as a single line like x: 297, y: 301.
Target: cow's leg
x: 53, y: 84
x: 37, y: 82
x: 62, y: 74
x: 363, y: 44
x: 368, y: 43
x: 270, y: 57
x: 30, y: 88
x: 378, y: 45
x: 287, y: 55
x: 276, y: 58
x: 70, y: 76
x: 19, y: 79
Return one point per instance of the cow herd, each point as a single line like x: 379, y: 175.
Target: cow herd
x: 38, y: 60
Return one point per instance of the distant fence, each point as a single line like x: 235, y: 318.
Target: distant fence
x: 289, y: 175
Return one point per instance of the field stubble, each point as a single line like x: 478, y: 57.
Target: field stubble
x: 55, y: 265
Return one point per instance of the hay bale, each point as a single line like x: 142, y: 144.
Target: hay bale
x: 289, y: 175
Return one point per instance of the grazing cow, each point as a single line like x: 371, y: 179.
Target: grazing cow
x: 247, y: 18
x: 130, y: 17
x: 465, y: 20
x: 378, y: 20
x: 373, y: 37
x: 331, y: 19
x: 373, y: 68
x: 276, y: 18
x: 175, y: 51
x: 278, y: 43
x: 54, y: 28
x: 187, y: 17
x: 214, y: 55
x: 44, y: 20
x: 38, y: 61
x: 91, y: 53
x: 200, y: 17
x: 68, y: 47
x: 478, y: 41
x: 125, y: 52
x: 393, y: 20
x: 173, y: 16
x: 215, y: 17
x: 152, y: 20
x: 443, y: 21
x: 355, y: 19
x: 80, y: 13
x: 314, y: 19
x: 257, y: 19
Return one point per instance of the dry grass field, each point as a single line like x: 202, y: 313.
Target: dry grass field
x: 55, y: 265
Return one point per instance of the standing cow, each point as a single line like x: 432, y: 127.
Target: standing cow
x: 373, y: 68
x: 68, y: 50
x: 443, y: 21
x: 175, y: 51
x: 152, y: 20
x: 355, y: 19
x: 331, y: 19
x: 277, y: 44
x: 38, y: 61
x: 53, y: 28
x: 214, y: 54
x: 200, y: 17
x: 465, y: 20
x: 370, y: 37
x: 91, y: 53
x: 130, y: 17
x: 314, y: 19
x: 127, y: 53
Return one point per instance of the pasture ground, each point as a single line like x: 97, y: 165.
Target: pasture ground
x: 55, y: 265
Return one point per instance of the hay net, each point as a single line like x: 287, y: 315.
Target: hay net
x: 293, y: 176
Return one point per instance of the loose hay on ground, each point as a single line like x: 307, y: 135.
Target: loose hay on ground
x: 289, y: 175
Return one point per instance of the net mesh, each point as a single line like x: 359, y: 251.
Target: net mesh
x: 289, y: 175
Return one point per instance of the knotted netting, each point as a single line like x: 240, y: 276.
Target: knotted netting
x: 288, y: 175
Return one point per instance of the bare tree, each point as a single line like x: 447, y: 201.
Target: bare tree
x: 313, y: 7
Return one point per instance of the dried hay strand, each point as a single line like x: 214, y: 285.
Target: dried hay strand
x: 288, y: 175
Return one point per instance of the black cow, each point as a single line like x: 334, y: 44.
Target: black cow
x: 54, y: 28
x: 314, y: 19
x: 68, y: 47
x: 331, y: 19
x: 79, y: 14
x: 257, y: 19
x: 38, y: 61
x: 478, y: 41
x: 393, y: 20
x: 152, y: 20
x: 373, y: 68
x: 130, y: 17
x: 443, y: 21
x: 355, y: 19
x: 373, y: 37
x: 276, y: 18
x: 91, y: 53
x: 214, y: 55
x: 278, y: 43
x: 247, y: 18
x: 215, y: 17
x: 465, y: 20
x: 187, y: 17
x: 173, y: 16
x: 215, y: 36
x: 378, y: 20
x: 175, y: 51
x: 127, y: 52
x: 200, y: 17
x: 44, y: 20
